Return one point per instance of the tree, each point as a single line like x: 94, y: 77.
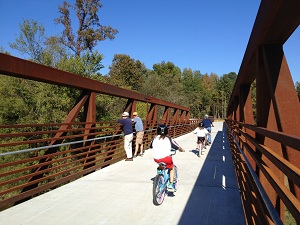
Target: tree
x: 297, y: 85
x: 168, y: 70
x: 193, y: 90
x: 24, y: 101
x: 31, y: 40
x: 89, y: 32
x: 48, y: 105
x: 126, y: 72
x: 224, y: 89
x: 87, y: 65
x: 209, y: 86
x: 169, y: 77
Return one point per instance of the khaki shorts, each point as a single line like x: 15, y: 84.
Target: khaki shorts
x: 139, y: 137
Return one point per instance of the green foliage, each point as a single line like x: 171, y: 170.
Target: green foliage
x: 209, y: 83
x: 193, y: 90
x: 26, y: 101
x: 87, y: 65
x: 31, y: 40
x: 297, y: 86
x: 141, y: 108
x: 222, y: 93
x: 162, y: 85
x: 126, y: 72
x: 168, y: 70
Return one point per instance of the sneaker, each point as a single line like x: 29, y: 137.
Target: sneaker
x: 158, y: 170
x: 171, y: 187
x: 129, y: 159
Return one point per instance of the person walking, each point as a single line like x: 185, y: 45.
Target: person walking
x: 207, y: 125
x: 128, y: 134
x: 139, y: 129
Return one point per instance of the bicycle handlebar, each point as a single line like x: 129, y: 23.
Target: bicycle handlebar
x: 173, y: 151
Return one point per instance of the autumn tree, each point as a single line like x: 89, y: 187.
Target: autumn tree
x: 89, y: 31
x: 209, y: 88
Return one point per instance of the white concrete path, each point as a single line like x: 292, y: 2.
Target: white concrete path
x: 122, y: 193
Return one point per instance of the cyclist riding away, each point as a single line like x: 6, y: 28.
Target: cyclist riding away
x: 161, y: 151
x: 201, y: 133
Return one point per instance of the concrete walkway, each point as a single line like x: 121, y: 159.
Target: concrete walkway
x: 122, y: 193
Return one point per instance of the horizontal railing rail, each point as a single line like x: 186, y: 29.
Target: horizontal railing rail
x: 27, y: 169
x: 262, y: 118
x: 36, y: 158
x: 265, y: 158
x: 264, y: 197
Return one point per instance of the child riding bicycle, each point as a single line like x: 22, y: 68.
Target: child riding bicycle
x: 201, y: 133
x: 161, y: 151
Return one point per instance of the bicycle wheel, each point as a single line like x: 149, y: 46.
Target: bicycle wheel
x: 159, y: 189
x: 175, y: 178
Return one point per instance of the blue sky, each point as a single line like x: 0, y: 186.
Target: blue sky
x: 209, y: 36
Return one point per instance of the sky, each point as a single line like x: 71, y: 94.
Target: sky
x: 210, y: 36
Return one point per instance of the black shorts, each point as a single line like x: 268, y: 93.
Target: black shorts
x: 200, y: 139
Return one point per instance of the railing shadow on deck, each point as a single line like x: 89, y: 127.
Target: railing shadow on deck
x: 215, y: 198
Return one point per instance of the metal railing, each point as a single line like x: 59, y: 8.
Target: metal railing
x: 35, y: 158
x: 37, y: 166
x: 262, y: 120
x: 267, y: 165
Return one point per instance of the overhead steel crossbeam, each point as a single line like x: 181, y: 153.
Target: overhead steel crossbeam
x: 16, y: 67
x: 275, y: 22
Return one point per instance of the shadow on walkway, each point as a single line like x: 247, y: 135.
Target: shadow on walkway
x: 213, y: 198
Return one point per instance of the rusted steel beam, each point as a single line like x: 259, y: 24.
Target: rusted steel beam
x: 275, y: 22
x: 13, y: 66
x: 286, y: 139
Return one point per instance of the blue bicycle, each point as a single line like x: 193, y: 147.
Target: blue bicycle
x: 161, y: 181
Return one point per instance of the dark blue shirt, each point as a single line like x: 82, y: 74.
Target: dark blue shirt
x: 207, y: 122
x: 127, y: 125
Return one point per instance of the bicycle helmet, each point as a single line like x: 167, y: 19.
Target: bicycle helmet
x: 162, y: 129
x: 201, y: 124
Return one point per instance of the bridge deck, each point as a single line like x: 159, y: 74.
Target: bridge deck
x: 122, y: 193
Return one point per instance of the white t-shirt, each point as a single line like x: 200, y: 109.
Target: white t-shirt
x: 200, y: 132
x: 161, y: 148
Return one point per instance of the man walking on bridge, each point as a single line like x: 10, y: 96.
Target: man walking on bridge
x: 207, y: 125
